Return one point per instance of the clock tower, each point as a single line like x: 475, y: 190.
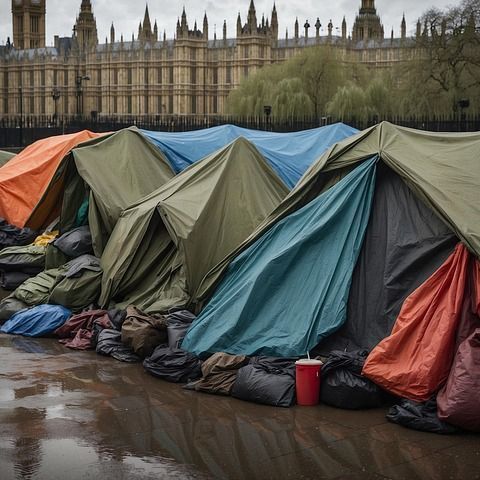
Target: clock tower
x: 28, y: 23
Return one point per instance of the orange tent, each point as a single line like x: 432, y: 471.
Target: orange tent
x: 24, y: 179
x: 415, y: 360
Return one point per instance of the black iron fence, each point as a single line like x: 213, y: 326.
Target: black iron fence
x: 17, y: 132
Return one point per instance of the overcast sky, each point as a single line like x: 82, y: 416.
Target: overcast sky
x: 127, y: 13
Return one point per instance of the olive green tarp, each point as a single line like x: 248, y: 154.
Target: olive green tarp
x: 5, y: 157
x: 114, y: 171
x: 162, y: 247
x: 57, y: 286
x: 442, y: 169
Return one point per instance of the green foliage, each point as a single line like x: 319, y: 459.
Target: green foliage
x: 442, y: 68
x: 446, y: 65
x: 301, y: 86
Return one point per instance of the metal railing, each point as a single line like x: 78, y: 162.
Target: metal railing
x: 17, y: 132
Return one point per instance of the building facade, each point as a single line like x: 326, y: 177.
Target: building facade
x: 191, y: 74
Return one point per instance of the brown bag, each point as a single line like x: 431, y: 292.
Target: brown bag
x: 143, y: 333
x: 219, y: 373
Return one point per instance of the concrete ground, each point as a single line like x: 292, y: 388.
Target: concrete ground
x: 76, y: 415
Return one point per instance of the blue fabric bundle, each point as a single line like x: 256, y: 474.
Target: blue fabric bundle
x: 37, y: 321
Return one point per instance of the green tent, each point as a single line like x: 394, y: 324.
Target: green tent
x: 5, y: 157
x: 442, y: 169
x: 162, y: 247
x: 109, y: 174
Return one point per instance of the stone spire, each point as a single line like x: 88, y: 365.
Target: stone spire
x: 112, y: 34
x: 252, y: 17
x: 403, y: 28
x: 274, y: 23
x: 344, y: 29
x: 155, y: 31
x: 419, y: 29
x: 147, y: 26
x: 205, y: 26
x: 145, y: 33
x: 239, y: 25
x: 296, y: 29
x: 224, y: 31
x: 183, y: 23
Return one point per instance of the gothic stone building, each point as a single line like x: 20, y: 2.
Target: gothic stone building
x: 147, y: 75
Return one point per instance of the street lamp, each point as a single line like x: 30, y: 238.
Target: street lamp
x: 55, y: 96
x: 463, y: 103
x: 78, y: 83
x: 20, y: 91
x: 267, y: 110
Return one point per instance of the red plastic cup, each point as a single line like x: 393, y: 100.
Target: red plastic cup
x: 308, y: 381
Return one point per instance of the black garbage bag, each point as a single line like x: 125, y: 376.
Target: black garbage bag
x: 76, y: 242
x: 420, y: 416
x: 343, y: 386
x: 177, y: 327
x: 117, y: 317
x: 173, y: 365
x: 266, y: 380
x: 11, y: 236
x: 109, y: 343
x: 9, y: 306
x: 12, y: 280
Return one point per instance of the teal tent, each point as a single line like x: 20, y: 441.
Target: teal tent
x: 280, y: 297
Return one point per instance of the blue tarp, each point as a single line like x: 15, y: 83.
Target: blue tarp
x: 37, y: 321
x: 290, y: 289
x: 290, y: 154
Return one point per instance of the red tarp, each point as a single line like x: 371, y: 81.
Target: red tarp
x: 458, y: 401
x: 415, y: 360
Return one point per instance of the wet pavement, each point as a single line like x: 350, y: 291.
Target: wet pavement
x: 76, y: 415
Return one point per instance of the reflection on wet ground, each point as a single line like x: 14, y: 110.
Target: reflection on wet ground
x: 74, y: 415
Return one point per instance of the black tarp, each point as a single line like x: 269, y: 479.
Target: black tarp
x: 178, y: 325
x: 404, y: 244
x: 419, y: 416
x: 11, y: 236
x: 109, y: 343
